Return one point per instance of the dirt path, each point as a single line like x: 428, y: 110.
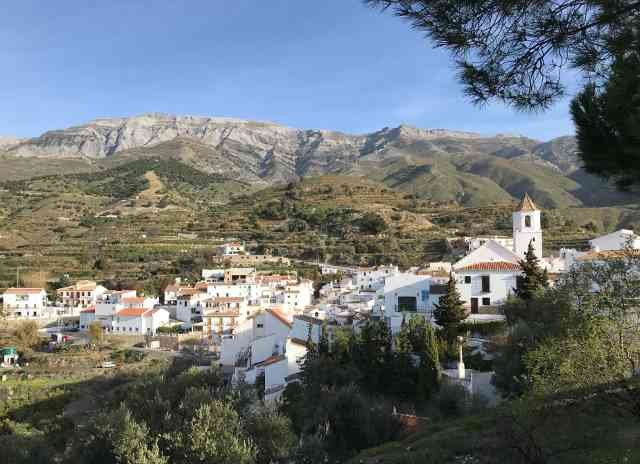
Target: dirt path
x: 155, y: 185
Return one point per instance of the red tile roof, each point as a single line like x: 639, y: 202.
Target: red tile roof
x: 492, y: 266
x: 23, y: 291
x: 91, y: 309
x: 133, y: 299
x: 133, y: 312
x: 271, y: 360
x: 526, y: 204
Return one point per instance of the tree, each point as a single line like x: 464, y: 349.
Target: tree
x: 607, y: 120
x: 26, y: 335
x: 534, y: 278
x: 116, y: 437
x: 272, y: 435
x: 518, y: 51
x: 216, y: 436
x: 450, y: 310
x: 96, y: 333
x: 372, y: 223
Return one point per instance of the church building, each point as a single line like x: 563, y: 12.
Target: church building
x: 489, y: 274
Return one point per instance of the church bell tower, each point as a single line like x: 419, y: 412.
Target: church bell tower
x: 527, y: 227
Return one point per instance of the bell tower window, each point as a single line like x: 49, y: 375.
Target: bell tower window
x: 527, y: 221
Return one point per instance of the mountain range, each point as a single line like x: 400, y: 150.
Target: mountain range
x: 440, y: 165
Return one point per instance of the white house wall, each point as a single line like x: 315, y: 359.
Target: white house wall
x: 501, y: 284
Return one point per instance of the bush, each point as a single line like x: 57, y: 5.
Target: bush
x: 483, y: 329
x: 127, y: 356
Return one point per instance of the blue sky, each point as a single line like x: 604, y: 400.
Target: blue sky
x: 334, y: 64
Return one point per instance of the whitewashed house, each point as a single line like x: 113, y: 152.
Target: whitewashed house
x: 262, y: 347
x: 187, y: 309
x: 24, y: 303
x: 617, y: 240
x: 273, y: 323
x: 139, y: 321
x: 473, y: 243
x: 489, y: 274
x: 373, y: 279
x: 222, y: 315
x: 105, y: 308
x: 231, y: 249
x: 87, y: 316
x: 82, y: 294
x: 407, y: 293
x: 247, y: 290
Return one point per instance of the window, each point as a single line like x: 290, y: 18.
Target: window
x: 486, y: 284
x: 527, y: 221
x: 424, y: 295
x: 260, y: 325
x: 486, y: 301
x: 407, y: 303
x: 467, y: 279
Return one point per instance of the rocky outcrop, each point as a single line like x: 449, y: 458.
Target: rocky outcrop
x: 275, y: 152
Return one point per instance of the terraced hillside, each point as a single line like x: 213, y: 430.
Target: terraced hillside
x: 146, y: 220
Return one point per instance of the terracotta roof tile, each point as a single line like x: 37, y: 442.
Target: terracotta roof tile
x: 492, y: 266
x: 271, y: 360
x: 526, y: 204
x: 132, y: 312
x: 23, y: 291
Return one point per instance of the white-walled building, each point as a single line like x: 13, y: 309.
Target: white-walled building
x: 373, y: 278
x: 231, y: 249
x: 615, y: 241
x: 273, y: 323
x: 246, y: 290
x: 262, y: 346
x: 473, y: 243
x: 87, y: 316
x: 408, y: 293
x: 139, y: 321
x: 487, y: 276
x: 29, y: 303
x: 222, y: 315
x: 527, y: 228
x: 82, y: 294
x: 187, y: 308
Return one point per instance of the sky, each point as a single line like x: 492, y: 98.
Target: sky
x: 330, y: 64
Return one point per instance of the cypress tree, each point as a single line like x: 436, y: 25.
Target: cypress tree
x: 450, y: 310
x: 323, y: 344
x: 533, y: 278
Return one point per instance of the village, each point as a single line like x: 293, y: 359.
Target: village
x: 257, y: 326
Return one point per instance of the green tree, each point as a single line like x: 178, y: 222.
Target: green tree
x: 272, y: 435
x: 371, y: 223
x: 116, y: 437
x: 519, y: 51
x: 216, y: 436
x: 534, y: 278
x: 450, y: 310
x: 607, y: 118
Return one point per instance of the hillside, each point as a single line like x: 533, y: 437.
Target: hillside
x: 437, y: 165
x: 598, y: 430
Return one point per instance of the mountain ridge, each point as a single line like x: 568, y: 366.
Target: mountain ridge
x: 437, y: 164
